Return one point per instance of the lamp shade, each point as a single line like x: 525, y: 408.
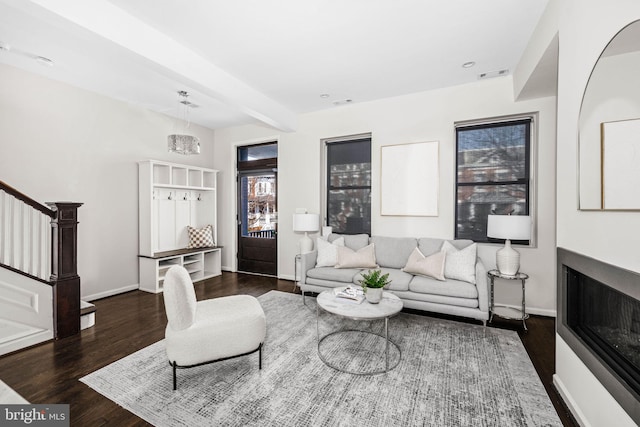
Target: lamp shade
x: 306, y: 222
x: 511, y: 227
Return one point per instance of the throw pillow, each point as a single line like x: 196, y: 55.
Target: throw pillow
x: 328, y: 252
x: 430, y: 266
x: 362, y: 258
x: 460, y: 264
x: 200, y: 237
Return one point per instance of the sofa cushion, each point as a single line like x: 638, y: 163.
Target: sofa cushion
x: 428, y: 245
x: 460, y: 264
x: 328, y: 284
x: 333, y: 274
x: 351, y: 241
x: 431, y: 266
x: 393, y: 252
x: 399, y: 279
x: 362, y: 258
x: 451, y: 287
x: 328, y: 252
x: 439, y: 299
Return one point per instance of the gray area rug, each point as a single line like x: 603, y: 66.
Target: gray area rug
x: 449, y: 374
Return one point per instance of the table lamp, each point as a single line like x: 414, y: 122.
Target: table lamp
x: 508, y: 227
x: 308, y: 223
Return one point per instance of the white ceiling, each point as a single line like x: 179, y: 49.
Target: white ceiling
x: 244, y: 61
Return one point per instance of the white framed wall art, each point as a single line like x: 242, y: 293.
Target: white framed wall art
x: 409, y: 179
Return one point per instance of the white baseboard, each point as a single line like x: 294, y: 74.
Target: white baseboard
x: 533, y: 310
x: 568, y: 400
x: 111, y: 292
x: 287, y: 277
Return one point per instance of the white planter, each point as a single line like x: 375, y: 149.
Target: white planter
x: 374, y: 295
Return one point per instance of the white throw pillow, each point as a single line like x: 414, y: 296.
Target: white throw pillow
x: 460, y: 264
x: 362, y: 258
x: 431, y: 266
x: 328, y: 252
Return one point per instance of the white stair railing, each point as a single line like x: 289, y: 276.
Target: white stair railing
x: 39, y: 244
x: 25, y: 237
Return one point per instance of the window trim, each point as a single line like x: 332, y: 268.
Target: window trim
x: 532, y: 165
x: 324, y: 183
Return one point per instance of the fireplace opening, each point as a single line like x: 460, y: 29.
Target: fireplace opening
x: 608, y: 321
x: 599, y: 319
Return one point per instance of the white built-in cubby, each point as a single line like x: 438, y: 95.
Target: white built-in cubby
x: 172, y: 197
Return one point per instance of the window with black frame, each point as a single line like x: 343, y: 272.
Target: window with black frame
x: 348, y: 197
x: 493, y: 175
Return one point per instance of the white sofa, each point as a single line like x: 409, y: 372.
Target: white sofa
x: 454, y: 297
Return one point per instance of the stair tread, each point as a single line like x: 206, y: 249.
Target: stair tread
x: 86, y: 308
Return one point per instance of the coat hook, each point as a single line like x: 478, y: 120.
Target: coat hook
x: 170, y: 195
x: 185, y: 196
x: 199, y: 198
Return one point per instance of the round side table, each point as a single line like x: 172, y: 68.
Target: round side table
x: 504, y: 311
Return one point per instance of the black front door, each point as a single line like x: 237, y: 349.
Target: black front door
x: 257, y: 222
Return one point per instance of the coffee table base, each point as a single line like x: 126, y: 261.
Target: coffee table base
x: 388, y: 343
x: 389, y: 306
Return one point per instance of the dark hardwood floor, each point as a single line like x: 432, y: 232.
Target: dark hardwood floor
x: 125, y: 323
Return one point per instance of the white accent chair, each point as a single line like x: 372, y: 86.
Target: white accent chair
x: 201, y: 332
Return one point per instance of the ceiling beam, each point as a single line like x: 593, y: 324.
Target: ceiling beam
x: 169, y: 57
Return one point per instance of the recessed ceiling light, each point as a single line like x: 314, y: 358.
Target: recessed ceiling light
x: 324, y: 95
x: 468, y: 64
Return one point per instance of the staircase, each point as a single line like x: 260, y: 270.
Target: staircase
x: 39, y: 285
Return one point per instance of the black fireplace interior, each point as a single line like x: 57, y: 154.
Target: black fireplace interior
x: 608, y: 321
x: 599, y: 319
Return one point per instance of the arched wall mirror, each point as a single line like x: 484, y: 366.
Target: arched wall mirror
x: 609, y: 127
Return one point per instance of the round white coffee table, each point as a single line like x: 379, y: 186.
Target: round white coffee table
x: 389, y: 306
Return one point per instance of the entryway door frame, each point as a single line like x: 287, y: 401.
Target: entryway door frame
x: 257, y: 166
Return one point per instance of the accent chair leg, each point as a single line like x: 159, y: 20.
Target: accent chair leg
x: 175, y: 382
x: 260, y: 356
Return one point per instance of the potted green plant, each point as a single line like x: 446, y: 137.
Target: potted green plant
x: 372, y: 282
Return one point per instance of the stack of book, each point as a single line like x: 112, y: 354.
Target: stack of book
x: 349, y: 294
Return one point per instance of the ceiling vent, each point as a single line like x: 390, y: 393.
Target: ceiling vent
x: 342, y: 102
x: 492, y: 74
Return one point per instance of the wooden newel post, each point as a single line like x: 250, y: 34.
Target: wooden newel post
x: 64, y: 269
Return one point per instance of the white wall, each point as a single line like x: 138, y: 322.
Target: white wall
x: 586, y: 26
x: 60, y: 143
x: 426, y: 116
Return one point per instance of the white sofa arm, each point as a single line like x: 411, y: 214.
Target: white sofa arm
x: 307, y: 262
x: 483, y: 287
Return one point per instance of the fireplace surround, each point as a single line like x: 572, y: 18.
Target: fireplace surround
x: 599, y: 318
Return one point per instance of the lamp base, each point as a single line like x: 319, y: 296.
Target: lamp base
x: 306, y: 244
x: 508, y: 260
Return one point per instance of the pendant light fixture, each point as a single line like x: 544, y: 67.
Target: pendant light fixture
x: 182, y: 143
